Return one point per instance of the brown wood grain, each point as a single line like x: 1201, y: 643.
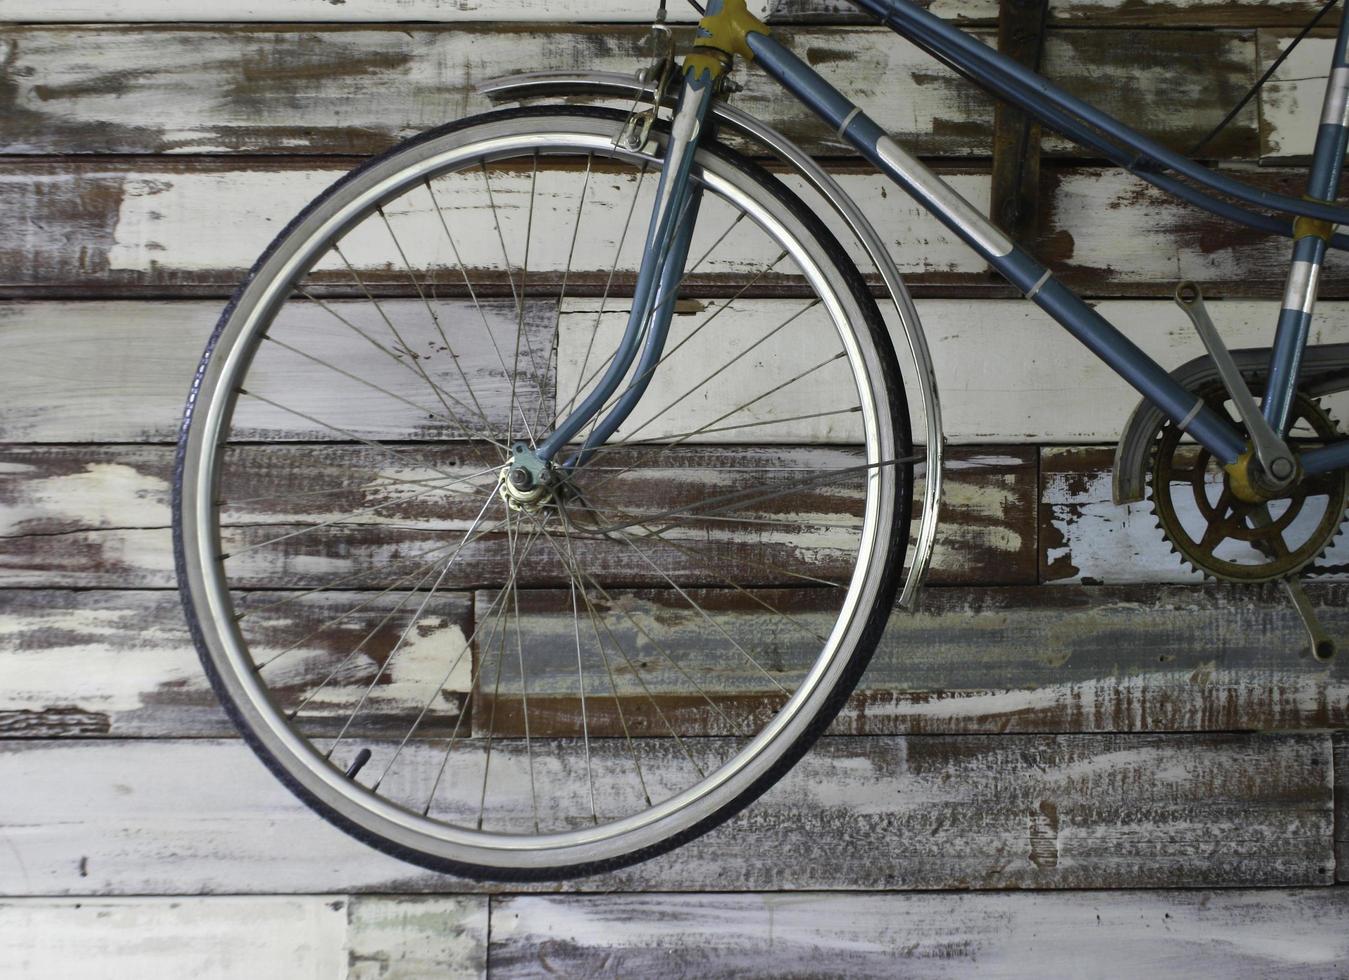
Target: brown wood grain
x: 99, y: 517
x: 333, y: 89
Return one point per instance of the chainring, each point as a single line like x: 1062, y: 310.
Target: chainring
x: 1226, y: 538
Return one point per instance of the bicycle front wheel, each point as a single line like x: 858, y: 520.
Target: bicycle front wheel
x: 524, y: 688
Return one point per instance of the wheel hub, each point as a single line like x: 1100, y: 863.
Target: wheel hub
x: 526, y: 482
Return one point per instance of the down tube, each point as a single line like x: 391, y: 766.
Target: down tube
x: 1207, y: 427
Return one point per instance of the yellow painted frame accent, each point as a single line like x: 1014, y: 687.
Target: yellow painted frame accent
x: 723, y: 36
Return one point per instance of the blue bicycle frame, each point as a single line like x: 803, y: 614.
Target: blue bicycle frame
x: 1313, y: 231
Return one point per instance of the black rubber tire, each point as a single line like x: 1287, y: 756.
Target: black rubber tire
x: 876, y: 619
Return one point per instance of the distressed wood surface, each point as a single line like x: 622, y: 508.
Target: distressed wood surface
x: 190, y: 226
x: 1290, y: 102
x: 1236, y: 934
x: 320, y: 937
x: 1006, y: 373
x: 328, y: 89
x: 973, y: 660
x: 1216, y: 13
x: 1341, y: 807
x: 1086, y: 537
x: 99, y: 518
x: 889, y: 813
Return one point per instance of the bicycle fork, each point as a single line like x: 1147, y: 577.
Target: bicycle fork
x: 669, y: 233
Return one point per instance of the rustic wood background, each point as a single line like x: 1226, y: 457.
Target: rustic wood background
x: 1069, y: 710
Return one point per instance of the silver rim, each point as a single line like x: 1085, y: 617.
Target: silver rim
x: 319, y: 762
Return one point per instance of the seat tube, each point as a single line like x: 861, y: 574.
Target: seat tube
x: 1310, y: 239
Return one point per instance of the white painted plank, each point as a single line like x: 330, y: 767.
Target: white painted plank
x: 366, y: 11
x: 204, y: 817
x: 329, y: 90
x: 321, y: 937
x: 99, y: 517
x: 1086, y: 537
x: 1290, y: 102
x: 195, y: 224
x: 133, y: 939
x: 1216, y: 12
x: 1238, y: 935
x: 416, y: 937
x: 1007, y: 372
x: 120, y: 663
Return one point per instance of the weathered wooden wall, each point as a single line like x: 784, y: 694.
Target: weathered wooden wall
x: 1071, y: 708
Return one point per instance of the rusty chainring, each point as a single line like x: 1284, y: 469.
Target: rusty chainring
x: 1227, y: 538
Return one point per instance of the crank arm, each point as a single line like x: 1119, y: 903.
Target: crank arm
x: 1272, y: 452
x: 1323, y: 646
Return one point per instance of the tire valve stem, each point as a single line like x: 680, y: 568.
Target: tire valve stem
x: 362, y: 757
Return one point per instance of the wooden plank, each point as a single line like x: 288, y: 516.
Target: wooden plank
x: 99, y: 518
x: 1290, y: 102
x: 1005, y: 371
x: 1341, y: 807
x: 262, y: 937
x: 1235, y: 934
x: 310, y: 11
x: 265, y: 937
x: 1085, y: 537
x: 1081, y: 13
x: 392, y: 937
x: 248, y: 89
x: 71, y: 652
x: 194, y: 226
x: 1211, y: 13
x: 871, y: 813
x: 974, y: 660
x: 1014, y: 200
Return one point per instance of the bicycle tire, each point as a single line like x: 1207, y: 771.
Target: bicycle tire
x: 199, y: 449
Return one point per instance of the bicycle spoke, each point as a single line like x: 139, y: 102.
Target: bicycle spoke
x: 332, y: 522
x: 435, y: 319
x: 473, y: 293
x: 549, y: 364
x: 407, y: 631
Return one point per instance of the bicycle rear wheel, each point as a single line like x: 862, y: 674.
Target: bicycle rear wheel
x: 531, y: 689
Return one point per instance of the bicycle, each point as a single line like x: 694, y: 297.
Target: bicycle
x: 633, y: 462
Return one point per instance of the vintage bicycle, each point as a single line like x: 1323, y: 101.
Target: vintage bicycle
x: 589, y: 463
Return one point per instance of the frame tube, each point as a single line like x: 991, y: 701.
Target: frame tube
x: 1309, y: 249
x: 1016, y: 83
x: 1217, y: 434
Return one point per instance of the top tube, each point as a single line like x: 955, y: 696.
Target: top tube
x: 1037, y: 95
